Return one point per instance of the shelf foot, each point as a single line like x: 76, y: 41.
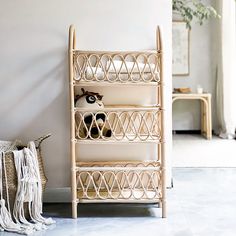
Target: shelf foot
x: 163, y: 208
x: 74, y: 210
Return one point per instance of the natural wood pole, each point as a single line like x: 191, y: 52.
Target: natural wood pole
x: 209, y: 135
x: 162, y: 144
x: 202, y: 107
x: 72, y: 44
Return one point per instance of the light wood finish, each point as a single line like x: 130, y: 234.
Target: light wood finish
x: 128, y: 181
x: 116, y: 67
x: 132, y: 124
x: 120, y: 140
x: 116, y: 181
x: 108, y: 84
x: 122, y: 108
x: 160, y: 91
x: 72, y: 43
x: 205, y: 102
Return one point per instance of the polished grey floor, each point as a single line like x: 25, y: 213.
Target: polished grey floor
x: 202, y: 202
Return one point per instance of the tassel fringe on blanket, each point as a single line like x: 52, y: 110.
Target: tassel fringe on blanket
x: 29, y: 190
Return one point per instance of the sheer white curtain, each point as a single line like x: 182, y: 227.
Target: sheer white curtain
x: 226, y: 76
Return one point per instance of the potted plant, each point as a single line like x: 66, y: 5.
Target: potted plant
x: 190, y: 10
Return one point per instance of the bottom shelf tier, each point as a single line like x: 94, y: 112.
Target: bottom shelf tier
x: 119, y: 182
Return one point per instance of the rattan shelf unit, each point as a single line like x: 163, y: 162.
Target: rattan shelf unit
x: 115, y: 181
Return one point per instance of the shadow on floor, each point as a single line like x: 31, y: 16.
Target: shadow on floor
x: 63, y: 210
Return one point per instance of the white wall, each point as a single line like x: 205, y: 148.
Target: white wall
x: 186, y: 114
x: 34, y: 71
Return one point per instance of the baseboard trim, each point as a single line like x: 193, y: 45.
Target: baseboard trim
x: 57, y: 195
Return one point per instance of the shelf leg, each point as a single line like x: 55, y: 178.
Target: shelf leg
x: 74, y: 210
x: 74, y: 194
x: 163, y: 208
x: 163, y: 180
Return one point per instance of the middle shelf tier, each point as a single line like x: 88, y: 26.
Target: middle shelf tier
x: 118, y: 124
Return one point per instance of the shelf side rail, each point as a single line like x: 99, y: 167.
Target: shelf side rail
x: 72, y: 45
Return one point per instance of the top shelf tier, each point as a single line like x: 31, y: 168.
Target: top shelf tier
x: 109, y: 68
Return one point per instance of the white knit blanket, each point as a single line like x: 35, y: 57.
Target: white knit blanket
x: 29, y: 190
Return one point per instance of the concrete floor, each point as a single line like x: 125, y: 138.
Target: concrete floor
x: 202, y: 203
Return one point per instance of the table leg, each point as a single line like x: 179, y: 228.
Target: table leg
x: 209, y: 130
x: 202, y: 117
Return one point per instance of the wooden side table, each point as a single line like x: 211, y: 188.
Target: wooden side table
x: 205, y: 99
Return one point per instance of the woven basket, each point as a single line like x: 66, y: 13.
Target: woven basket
x: 12, y: 176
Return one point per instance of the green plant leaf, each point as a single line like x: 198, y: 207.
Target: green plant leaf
x: 191, y: 10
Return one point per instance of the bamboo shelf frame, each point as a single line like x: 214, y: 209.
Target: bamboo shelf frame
x: 129, y: 181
